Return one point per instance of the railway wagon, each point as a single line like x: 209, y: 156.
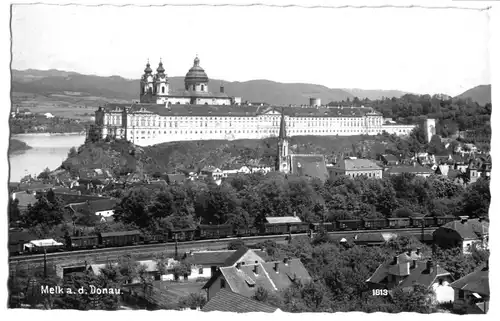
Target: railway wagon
x: 345, y: 225
x: 83, y: 242
x: 214, y: 231
x: 275, y: 228
x: 399, y: 222
x: 246, y: 231
x: 298, y: 227
x: 375, y: 223
x: 120, y: 238
x: 187, y: 234
x: 328, y: 227
x: 427, y: 221
x: 442, y: 220
x: 154, y: 238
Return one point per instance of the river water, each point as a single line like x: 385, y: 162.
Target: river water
x: 46, y: 151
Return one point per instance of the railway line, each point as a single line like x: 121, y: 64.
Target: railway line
x: 103, y: 254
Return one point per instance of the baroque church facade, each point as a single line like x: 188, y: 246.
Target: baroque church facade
x: 155, y: 88
x: 195, y: 113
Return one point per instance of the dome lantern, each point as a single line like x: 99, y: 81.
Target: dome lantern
x: 196, y: 74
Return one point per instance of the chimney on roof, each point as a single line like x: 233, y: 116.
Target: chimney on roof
x: 256, y: 269
x: 238, y: 265
x: 396, y: 260
x: 464, y: 219
x: 276, y: 267
x: 430, y: 266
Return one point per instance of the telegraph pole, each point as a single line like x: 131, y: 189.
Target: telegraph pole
x: 44, y: 262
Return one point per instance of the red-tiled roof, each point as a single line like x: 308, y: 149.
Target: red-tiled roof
x: 356, y: 165
x: 227, y: 301
x: 477, y: 281
x: 419, y: 274
x: 285, y: 274
x: 472, y: 229
x: 244, y: 281
x: 222, y: 257
x: 237, y: 111
x: 215, y: 258
x: 24, y: 198
x: 417, y: 169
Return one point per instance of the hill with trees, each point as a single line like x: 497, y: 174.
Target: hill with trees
x: 115, y: 87
x: 479, y: 94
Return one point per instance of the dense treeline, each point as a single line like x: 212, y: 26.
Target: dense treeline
x: 246, y: 200
x: 41, y: 124
x: 452, y: 113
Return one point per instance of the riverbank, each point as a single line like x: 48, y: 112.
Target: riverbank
x: 48, y: 134
x: 17, y: 146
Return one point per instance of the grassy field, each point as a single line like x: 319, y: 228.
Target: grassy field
x: 68, y: 106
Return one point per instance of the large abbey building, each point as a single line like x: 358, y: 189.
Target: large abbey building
x: 194, y: 113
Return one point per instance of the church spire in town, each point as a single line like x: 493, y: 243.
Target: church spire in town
x: 283, y: 159
x: 282, y: 134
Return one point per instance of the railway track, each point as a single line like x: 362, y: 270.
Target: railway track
x: 212, y: 244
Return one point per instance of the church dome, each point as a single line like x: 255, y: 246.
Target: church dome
x: 196, y: 74
x: 160, y: 68
x: 148, y: 69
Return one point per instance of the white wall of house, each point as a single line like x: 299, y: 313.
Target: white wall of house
x: 107, y: 213
x: 444, y: 293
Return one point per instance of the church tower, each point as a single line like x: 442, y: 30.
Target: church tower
x: 147, y: 85
x: 283, y: 149
x: 161, y: 82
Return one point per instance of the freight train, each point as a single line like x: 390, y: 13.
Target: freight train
x: 207, y: 232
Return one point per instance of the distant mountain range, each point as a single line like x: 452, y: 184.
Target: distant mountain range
x: 115, y: 87
x: 53, y: 81
x: 480, y: 94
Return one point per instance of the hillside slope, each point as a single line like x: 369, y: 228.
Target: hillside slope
x: 115, y: 87
x: 480, y: 94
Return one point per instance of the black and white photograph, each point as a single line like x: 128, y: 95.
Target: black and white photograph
x: 317, y: 157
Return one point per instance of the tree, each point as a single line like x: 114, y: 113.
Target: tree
x: 477, y: 198
x: 14, y: 212
x: 417, y: 298
x: 45, y: 174
x: 47, y: 210
x: 235, y: 244
x: 133, y: 208
x: 192, y: 301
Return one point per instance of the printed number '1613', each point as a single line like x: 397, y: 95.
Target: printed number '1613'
x: 380, y: 292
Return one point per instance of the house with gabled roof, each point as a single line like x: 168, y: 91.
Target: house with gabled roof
x: 407, y: 270
x: 355, y: 167
x: 102, y: 209
x: 415, y: 169
x: 464, y: 233
x: 204, y: 264
x: 389, y: 159
x: 228, y: 301
x: 245, y: 279
x: 472, y: 292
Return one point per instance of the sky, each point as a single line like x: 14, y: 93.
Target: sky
x: 415, y: 50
